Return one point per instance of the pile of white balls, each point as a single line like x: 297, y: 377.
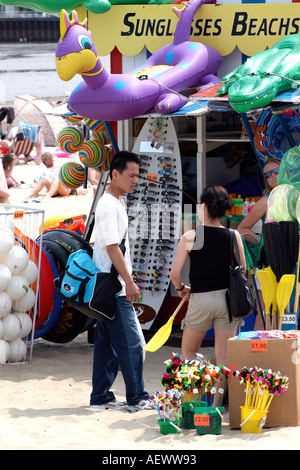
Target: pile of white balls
x: 17, y: 273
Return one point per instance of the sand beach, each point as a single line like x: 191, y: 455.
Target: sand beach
x: 45, y: 404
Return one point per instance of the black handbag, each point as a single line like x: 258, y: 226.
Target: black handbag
x: 239, y: 297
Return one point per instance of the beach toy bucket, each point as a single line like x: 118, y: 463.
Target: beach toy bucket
x: 169, y: 427
x: 186, y: 415
x: 252, y: 421
x: 208, y: 420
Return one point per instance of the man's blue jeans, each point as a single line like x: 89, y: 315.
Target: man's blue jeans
x: 118, y: 342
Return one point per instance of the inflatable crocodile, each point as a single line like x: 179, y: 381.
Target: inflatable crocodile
x: 154, y: 84
x: 256, y: 82
x: 94, y: 6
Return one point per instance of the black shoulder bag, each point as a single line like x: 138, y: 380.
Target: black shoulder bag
x: 240, y: 301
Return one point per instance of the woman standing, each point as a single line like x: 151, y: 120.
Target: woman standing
x: 209, y: 251
x: 258, y: 212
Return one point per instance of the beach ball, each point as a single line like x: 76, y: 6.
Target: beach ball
x: 25, y: 303
x: 16, y: 260
x: 106, y: 163
x: 7, y: 240
x: 26, y: 324
x: 18, y: 350
x: 70, y: 139
x: 7, y: 222
x: 5, y: 304
x: 18, y: 287
x: 12, y: 327
x: 4, y: 351
x: 72, y: 175
x: 5, y: 277
x: 99, y: 130
x: 92, y: 153
x: 30, y: 272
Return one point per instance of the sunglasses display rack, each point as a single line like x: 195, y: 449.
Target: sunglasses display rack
x: 154, y: 212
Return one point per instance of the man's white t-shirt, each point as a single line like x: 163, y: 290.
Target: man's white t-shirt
x: 111, y: 224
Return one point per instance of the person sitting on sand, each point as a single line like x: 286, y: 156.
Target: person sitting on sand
x: 8, y: 162
x: 49, y: 180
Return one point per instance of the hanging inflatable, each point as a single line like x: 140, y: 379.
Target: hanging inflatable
x: 154, y: 84
x: 256, y: 82
x: 95, y: 6
x: 269, y: 133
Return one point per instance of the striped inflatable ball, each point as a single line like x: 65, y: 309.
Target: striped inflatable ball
x: 70, y: 139
x: 72, y: 175
x: 92, y: 154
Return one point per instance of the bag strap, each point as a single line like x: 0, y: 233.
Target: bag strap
x: 233, y: 241
x: 122, y: 247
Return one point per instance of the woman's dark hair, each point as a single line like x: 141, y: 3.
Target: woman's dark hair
x: 120, y: 160
x: 216, y: 199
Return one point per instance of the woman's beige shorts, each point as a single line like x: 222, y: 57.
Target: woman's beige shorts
x: 208, y: 310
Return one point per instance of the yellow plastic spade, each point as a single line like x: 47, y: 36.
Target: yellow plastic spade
x: 274, y: 301
x: 284, y: 292
x: 162, y: 335
x: 267, y: 293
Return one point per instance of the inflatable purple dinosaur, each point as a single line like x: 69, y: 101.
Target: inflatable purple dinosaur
x: 154, y: 84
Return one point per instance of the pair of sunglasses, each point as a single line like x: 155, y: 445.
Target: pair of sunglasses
x: 268, y: 174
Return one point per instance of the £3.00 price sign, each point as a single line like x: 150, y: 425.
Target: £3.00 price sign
x: 201, y: 420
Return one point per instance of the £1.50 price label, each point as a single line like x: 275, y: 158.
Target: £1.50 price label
x: 259, y: 345
x: 201, y: 420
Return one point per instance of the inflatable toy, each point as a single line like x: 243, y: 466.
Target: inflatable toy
x: 18, y: 287
x: 70, y: 139
x: 257, y: 82
x: 269, y: 133
x: 12, y: 327
x: 289, y: 171
x: 4, y: 351
x: 99, y: 130
x: 92, y: 154
x: 95, y: 6
x: 75, y: 223
x: 5, y: 277
x: 5, y: 304
x: 30, y: 272
x: 7, y: 240
x: 72, y: 175
x: 18, y: 350
x: 154, y: 84
x: 25, y: 322
x: 16, y: 260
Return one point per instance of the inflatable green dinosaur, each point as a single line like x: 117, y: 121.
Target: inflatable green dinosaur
x: 256, y: 82
x: 95, y: 6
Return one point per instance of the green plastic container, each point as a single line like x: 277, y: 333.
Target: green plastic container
x: 186, y: 414
x: 208, y: 420
x: 168, y: 427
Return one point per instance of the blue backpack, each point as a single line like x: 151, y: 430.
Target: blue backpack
x: 86, y: 288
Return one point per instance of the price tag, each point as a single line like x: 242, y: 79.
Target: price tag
x: 151, y: 177
x: 18, y: 214
x: 201, y: 420
x: 259, y: 345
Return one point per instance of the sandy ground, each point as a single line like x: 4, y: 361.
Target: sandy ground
x: 45, y: 404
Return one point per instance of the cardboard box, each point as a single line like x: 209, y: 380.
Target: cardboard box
x: 281, y: 355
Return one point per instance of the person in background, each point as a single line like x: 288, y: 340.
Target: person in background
x: 9, y: 161
x: 49, y: 179
x: 118, y: 342
x: 209, y: 251
x: 258, y: 212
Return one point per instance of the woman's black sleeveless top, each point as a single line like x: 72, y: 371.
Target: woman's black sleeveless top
x: 210, y: 259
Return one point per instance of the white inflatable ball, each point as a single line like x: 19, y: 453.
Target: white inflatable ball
x: 5, y: 277
x: 12, y: 327
x: 1, y: 329
x: 18, y: 287
x: 5, y: 304
x: 16, y: 260
x: 26, y: 324
x: 7, y: 240
x: 26, y: 303
x: 6, y: 221
x: 30, y: 272
x: 18, y: 350
x: 4, y: 351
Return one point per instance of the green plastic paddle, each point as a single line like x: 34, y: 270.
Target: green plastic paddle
x: 162, y: 335
x: 267, y: 293
x: 284, y: 292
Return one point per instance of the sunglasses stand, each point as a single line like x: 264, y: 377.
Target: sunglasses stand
x: 154, y: 212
